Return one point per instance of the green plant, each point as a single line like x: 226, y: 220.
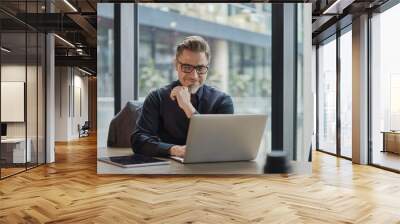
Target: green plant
x: 214, y: 79
x: 150, y: 78
x: 240, y: 85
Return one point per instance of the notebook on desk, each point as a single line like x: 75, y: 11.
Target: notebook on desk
x: 136, y: 160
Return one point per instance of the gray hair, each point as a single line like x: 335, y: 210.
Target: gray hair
x: 194, y: 43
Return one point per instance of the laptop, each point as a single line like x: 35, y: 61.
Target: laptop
x: 223, y: 137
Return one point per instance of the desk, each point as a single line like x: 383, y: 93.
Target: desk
x: 391, y: 141
x: 13, y: 150
x: 243, y: 167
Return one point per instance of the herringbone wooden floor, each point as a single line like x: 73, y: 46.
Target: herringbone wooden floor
x: 70, y: 191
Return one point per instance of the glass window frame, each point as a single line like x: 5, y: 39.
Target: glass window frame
x: 39, y: 47
x: 344, y: 31
x: 335, y: 37
x: 381, y: 9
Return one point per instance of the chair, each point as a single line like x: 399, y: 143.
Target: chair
x: 123, y: 124
x: 84, y: 130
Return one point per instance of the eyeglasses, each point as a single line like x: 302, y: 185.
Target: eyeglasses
x: 187, y: 68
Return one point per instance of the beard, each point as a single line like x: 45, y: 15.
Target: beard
x: 193, y: 88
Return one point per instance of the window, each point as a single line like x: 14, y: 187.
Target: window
x: 240, y: 67
x: 240, y: 42
x: 105, y: 57
x: 346, y: 94
x: 385, y: 89
x: 327, y: 96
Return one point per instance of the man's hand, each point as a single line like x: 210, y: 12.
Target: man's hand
x: 178, y: 150
x: 182, y: 95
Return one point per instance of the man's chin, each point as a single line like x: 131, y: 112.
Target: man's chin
x: 193, y: 88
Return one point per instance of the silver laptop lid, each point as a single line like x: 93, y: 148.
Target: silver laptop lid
x: 224, y: 137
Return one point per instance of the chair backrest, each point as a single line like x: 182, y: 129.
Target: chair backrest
x: 123, y: 124
x: 86, y: 125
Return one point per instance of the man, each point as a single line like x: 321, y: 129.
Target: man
x: 163, y: 125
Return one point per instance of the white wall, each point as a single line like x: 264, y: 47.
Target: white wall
x: 79, y: 117
x: 17, y: 73
x: 71, y: 94
x: 61, y: 103
x: 33, y: 126
x: 14, y: 73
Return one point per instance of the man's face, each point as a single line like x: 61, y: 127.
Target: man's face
x: 185, y: 62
